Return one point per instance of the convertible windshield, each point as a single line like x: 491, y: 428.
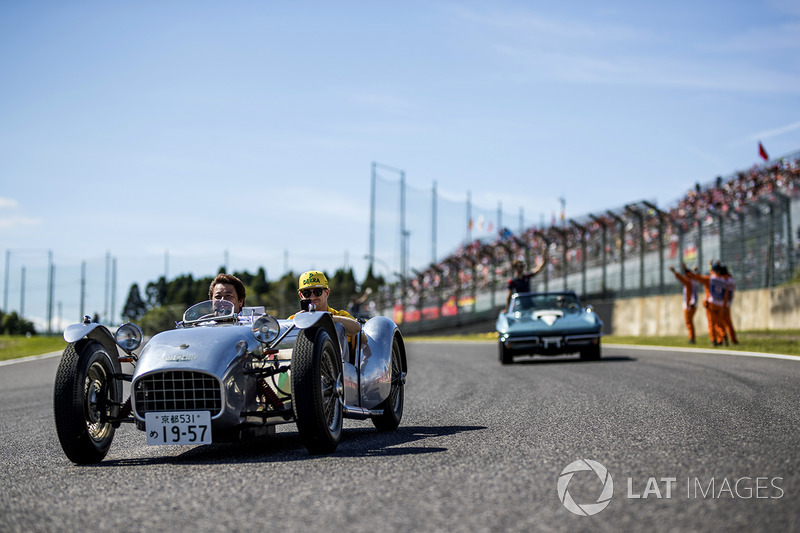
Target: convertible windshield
x: 528, y: 302
x: 209, y: 310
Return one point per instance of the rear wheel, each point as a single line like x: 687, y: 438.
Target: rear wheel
x: 393, y: 405
x: 317, y: 392
x: 86, y: 396
x: 504, y: 355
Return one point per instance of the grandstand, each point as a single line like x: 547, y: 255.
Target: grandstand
x: 748, y: 220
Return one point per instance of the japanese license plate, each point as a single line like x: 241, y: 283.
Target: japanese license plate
x: 179, y: 427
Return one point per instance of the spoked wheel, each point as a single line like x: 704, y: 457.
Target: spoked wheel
x: 86, y: 396
x: 393, y: 405
x: 317, y: 392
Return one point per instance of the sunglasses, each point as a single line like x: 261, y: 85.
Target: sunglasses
x: 306, y: 293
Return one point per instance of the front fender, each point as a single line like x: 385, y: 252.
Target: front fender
x: 94, y: 331
x: 312, y: 321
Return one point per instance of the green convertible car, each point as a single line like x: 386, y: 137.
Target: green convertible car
x: 548, y: 323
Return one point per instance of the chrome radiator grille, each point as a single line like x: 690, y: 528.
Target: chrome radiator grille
x: 178, y: 391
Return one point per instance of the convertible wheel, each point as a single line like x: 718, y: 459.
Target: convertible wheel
x: 592, y: 353
x: 503, y: 355
x: 317, y: 392
x: 86, y: 396
x: 393, y: 405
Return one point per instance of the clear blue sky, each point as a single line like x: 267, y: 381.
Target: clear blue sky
x: 182, y: 135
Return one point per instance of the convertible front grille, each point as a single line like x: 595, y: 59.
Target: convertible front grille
x: 178, y: 390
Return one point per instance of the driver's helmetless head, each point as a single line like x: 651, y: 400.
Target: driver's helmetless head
x: 313, y: 286
x: 227, y: 287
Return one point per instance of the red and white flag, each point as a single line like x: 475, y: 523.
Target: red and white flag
x: 762, y: 152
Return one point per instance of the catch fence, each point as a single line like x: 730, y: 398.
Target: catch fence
x: 748, y: 221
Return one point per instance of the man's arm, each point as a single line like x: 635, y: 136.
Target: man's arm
x: 351, y: 325
x: 541, y: 265
x: 680, y: 277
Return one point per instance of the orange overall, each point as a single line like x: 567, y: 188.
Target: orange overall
x: 726, y: 313
x: 714, y: 304
x: 689, y: 303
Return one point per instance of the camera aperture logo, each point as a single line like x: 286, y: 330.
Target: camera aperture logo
x: 606, y: 491
x: 589, y: 478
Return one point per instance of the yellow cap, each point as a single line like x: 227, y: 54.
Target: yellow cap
x: 313, y: 278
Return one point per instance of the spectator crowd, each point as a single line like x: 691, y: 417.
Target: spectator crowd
x: 442, y: 287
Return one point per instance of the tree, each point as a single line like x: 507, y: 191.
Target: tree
x: 156, y: 292
x: 13, y: 324
x: 372, y: 281
x: 135, y: 308
x: 260, y: 286
x: 160, y: 319
x: 343, y: 287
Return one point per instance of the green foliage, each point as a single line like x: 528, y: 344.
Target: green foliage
x: 372, y: 282
x: 161, y: 319
x: 13, y: 324
x: 343, y: 287
x: 135, y: 307
x: 279, y: 297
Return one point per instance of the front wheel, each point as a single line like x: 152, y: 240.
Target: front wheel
x: 86, y: 396
x: 504, y: 355
x: 591, y: 353
x: 393, y: 404
x: 317, y: 392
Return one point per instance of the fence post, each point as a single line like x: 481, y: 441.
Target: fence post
x: 661, y: 215
x: 602, y: 223
x: 546, y: 242
x: 582, y: 230
x: 621, y: 224
x: 638, y: 215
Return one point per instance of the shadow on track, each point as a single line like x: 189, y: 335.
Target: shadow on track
x: 524, y: 360
x: 283, y: 447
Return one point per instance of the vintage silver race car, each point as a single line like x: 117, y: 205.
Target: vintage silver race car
x: 548, y: 323
x: 222, y: 376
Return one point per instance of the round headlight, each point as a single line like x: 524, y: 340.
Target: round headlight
x: 129, y: 336
x: 266, y: 329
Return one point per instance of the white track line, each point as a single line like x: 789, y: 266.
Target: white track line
x: 705, y: 350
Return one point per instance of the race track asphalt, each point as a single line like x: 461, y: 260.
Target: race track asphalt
x: 692, y: 441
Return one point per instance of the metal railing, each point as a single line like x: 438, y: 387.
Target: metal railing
x: 748, y: 222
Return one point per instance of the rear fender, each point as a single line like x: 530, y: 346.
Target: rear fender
x: 375, y: 362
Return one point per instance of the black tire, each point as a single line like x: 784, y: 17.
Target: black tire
x: 591, y: 353
x: 504, y: 355
x: 393, y: 404
x: 317, y: 392
x: 86, y: 395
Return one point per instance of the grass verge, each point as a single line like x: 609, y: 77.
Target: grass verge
x: 16, y: 346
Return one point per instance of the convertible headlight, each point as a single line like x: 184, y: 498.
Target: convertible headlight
x: 266, y: 329
x: 128, y: 336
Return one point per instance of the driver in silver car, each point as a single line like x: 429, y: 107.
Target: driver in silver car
x: 313, y: 287
x: 230, y: 288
